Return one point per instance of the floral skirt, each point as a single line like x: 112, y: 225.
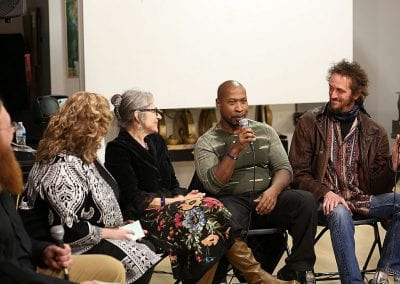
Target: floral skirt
x: 195, y: 233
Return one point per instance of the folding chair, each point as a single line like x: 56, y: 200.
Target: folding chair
x: 358, y: 221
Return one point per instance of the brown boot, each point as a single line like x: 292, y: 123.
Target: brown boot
x: 241, y: 257
x: 208, y: 277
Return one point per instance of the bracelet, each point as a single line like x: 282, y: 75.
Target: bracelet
x: 231, y: 156
x: 162, y: 201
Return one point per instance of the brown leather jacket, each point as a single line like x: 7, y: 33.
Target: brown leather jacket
x: 309, y: 157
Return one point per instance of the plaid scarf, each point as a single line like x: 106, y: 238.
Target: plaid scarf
x: 343, y: 166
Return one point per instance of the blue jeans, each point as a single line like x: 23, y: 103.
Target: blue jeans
x: 341, y: 227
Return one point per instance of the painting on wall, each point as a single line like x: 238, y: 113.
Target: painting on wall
x: 71, y: 7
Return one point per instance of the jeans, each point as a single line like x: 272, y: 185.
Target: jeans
x: 340, y: 223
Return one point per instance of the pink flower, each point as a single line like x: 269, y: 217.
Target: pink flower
x: 161, y: 225
x: 178, y: 220
x: 211, y: 202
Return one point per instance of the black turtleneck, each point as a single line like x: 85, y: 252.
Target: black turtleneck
x: 345, y: 127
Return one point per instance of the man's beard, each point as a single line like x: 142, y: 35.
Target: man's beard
x: 233, y: 123
x: 10, y: 173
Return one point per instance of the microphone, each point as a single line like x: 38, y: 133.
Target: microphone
x: 244, y: 122
x: 57, y: 233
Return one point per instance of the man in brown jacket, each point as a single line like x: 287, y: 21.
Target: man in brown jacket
x: 342, y: 156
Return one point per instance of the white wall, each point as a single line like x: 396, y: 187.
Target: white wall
x: 377, y: 49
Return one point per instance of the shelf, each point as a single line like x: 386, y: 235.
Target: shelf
x: 180, y: 147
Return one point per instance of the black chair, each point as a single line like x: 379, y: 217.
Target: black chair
x: 358, y: 221
x: 46, y: 106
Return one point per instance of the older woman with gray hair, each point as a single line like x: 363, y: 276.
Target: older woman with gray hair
x: 194, y: 229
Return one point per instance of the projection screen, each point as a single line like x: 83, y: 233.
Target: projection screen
x: 181, y: 50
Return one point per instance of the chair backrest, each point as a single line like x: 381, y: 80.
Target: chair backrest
x: 47, y: 106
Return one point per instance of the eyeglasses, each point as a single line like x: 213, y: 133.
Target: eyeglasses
x: 153, y: 110
x: 13, y: 126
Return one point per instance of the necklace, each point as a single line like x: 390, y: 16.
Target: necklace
x: 141, y: 142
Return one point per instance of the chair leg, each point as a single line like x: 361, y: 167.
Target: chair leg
x: 323, y: 231
x: 376, y: 242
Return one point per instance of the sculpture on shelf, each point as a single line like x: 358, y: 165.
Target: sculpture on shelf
x: 162, y: 128
x: 207, y: 119
x: 264, y: 114
x: 184, y: 129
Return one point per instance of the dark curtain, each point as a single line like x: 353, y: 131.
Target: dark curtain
x: 13, y: 88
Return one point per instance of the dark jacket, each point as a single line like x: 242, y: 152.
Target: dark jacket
x: 309, y: 155
x: 141, y: 174
x: 18, y: 253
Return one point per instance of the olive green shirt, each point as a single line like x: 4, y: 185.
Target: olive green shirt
x: 269, y: 156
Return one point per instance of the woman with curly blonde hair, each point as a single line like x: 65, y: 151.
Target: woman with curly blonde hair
x: 68, y: 186
x: 78, y: 127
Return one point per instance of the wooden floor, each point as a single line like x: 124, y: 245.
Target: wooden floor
x: 325, y: 258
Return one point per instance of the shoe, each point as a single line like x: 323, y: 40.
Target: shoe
x: 304, y: 277
x: 373, y: 281
x: 381, y: 277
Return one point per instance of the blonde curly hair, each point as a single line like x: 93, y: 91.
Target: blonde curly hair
x: 77, y: 127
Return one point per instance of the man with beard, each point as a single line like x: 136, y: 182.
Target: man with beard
x: 342, y: 157
x: 19, y: 255
x: 248, y: 170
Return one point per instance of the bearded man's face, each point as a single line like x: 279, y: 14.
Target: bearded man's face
x: 10, y: 173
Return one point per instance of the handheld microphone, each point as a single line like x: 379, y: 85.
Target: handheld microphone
x: 244, y: 122
x: 57, y: 233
